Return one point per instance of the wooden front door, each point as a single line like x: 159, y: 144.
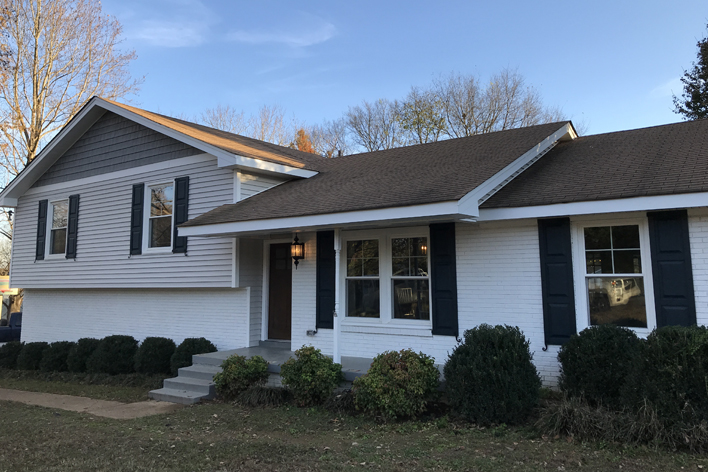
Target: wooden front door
x: 280, y: 292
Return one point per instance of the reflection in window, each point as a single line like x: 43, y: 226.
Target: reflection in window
x: 363, y: 298
x: 616, y: 298
x: 160, y: 230
x: 60, y: 219
x: 410, y: 282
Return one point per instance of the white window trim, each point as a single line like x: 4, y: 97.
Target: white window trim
x: 579, y: 268
x: 48, y: 238
x: 147, y: 199
x: 385, y: 278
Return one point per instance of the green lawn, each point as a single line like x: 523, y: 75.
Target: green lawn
x: 223, y: 437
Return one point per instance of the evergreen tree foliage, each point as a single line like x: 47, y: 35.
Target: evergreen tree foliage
x: 693, y: 103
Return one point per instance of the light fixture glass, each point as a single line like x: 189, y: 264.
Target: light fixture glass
x: 297, y: 251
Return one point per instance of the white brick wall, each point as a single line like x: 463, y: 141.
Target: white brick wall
x: 67, y: 315
x: 698, y: 234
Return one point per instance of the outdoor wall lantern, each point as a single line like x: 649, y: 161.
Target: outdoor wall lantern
x: 297, y: 250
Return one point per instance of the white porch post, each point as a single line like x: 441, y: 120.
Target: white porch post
x: 337, y: 282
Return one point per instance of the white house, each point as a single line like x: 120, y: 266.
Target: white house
x: 130, y: 222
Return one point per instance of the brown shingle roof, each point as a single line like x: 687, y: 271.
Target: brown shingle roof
x: 413, y: 175
x: 233, y: 143
x: 661, y: 160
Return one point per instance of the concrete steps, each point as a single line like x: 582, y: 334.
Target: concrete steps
x: 193, y: 383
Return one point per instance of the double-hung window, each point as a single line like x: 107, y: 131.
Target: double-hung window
x: 615, y: 286
x: 59, y: 223
x: 159, y: 230
x: 387, y: 275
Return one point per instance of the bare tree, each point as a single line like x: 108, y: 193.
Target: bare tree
x: 421, y: 116
x: 63, y: 52
x: 330, y: 138
x: 270, y: 124
x: 225, y: 118
x: 374, y: 126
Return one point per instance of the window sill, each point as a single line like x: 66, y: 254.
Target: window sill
x: 161, y: 250
x: 396, y: 328
x: 55, y: 257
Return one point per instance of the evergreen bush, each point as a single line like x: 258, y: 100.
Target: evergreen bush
x: 153, y: 356
x: 187, y: 348
x: 671, y: 375
x: 31, y: 355
x: 490, y: 377
x: 8, y: 354
x: 79, y: 354
x: 113, y: 355
x: 310, y: 376
x: 596, y: 363
x: 398, y: 384
x: 238, y: 374
x: 55, y: 356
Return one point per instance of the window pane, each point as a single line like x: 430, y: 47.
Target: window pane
x: 399, y: 247
x: 628, y: 262
x: 418, y: 246
x: 363, y: 298
x: 58, y: 243
x: 370, y: 249
x: 371, y: 267
x: 625, y: 237
x: 598, y: 262
x: 160, y: 232
x: 419, y: 266
x: 353, y: 249
x: 354, y: 268
x: 161, y: 200
x: 597, y: 238
x: 411, y: 299
x: 60, y: 214
x: 400, y: 266
x: 617, y: 301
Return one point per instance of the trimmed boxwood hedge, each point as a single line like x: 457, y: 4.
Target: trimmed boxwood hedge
x: 79, y: 354
x: 31, y: 356
x: 54, y: 357
x: 114, y: 355
x: 153, y: 356
x: 9, y: 353
x: 187, y: 348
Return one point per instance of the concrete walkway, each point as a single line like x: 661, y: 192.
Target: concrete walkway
x: 105, y: 408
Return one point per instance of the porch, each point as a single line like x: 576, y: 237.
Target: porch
x: 195, y: 383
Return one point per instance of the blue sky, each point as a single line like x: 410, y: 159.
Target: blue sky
x: 610, y: 64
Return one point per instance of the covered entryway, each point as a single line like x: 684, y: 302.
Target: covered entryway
x: 280, y: 278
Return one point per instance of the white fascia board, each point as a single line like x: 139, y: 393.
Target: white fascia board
x: 234, y: 161
x: 66, y: 138
x: 498, y: 180
x: 660, y: 202
x: 445, y: 210
x: 227, y: 157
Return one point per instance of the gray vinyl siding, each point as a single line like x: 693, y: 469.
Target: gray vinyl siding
x: 113, y: 143
x: 103, y: 259
x: 251, y: 275
x: 252, y: 184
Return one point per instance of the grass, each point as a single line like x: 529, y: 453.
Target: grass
x: 123, y: 388
x: 219, y: 436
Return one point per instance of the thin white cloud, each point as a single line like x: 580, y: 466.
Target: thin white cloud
x: 172, y: 34
x: 295, y: 39
x: 668, y: 89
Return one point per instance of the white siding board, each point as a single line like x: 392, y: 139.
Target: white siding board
x: 66, y: 315
x: 104, y: 236
x: 251, y: 275
x: 252, y: 184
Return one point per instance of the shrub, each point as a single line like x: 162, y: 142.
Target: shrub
x: 398, y: 384
x: 490, y: 377
x: 54, y: 357
x: 596, y: 363
x: 672, y: 374
x: 238, y: 374
x: 341, y: 402
x: 153, y: 356
x: 263, y: 396
x: 31, y: 356
x: 113, y: 355
x: 187, y: 348
x: 79, y: 354
x: 311, y: 376
x: 8, y: 354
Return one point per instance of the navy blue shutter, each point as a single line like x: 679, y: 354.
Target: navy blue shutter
x: 671, y: 268
x: 73, y: 227
x: 557, y: 280
x: 136, y: 220
x: 41, y: 230
x: 326, y: 278
x: 443, y: 273
x: 179, y: 243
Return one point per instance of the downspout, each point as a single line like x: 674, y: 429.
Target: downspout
x: 335, y: 342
